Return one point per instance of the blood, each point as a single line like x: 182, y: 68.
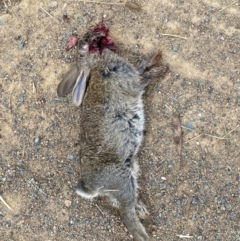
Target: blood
x: 100, y: 39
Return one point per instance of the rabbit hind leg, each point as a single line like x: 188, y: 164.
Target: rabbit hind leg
x: 84, y: 192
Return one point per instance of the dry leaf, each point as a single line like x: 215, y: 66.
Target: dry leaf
x: 177, y: 135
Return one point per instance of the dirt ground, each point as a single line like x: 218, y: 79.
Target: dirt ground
x: 39, y: 132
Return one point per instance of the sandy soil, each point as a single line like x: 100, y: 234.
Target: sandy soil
x: 39, y: 132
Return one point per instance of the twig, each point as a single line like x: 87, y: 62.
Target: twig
x: 46, y: 12
x: 111, y: 190
x: 99, y: 209
x: 168, y: 107
x: 217, y: 137
x: 6, y: 6
x: 231, y: 131
x: 174, y: 36
x: 192, y: 138
x: 128, y: 4
x: 184, y: 236
x: 5, y: 203
x: 227, y: 6
x: 121, y: 4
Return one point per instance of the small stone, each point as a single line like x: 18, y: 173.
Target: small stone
x: 20, y: 46
x: 224, y: 86
x: 206, y: 187
x: 238, y: 100
x: 219, y: 230
x: 238, y: 178
x: 222, y: 38
x: 1, y: 23
x: 238, y: 26
x: 18, y: 37
x: 109, y: 227
x: 175, y: 48
x: 21, y: 100
x: 71, y: 157
x: 21, y: 172
x: 23, y: 92
x: 207, y: 20
x: 189, y: 127
x: 159, y: 219
x: 68, y: 203
x: 222, y: 201
x: 72, y: 221
x: 179, y: 202
x: 37, y: 140
x: 53, y: 4
x: 162, y: 185
x: 194, y: 218
x: 81, y: 20
x: 195, y: 200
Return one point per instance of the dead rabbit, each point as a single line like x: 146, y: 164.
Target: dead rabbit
x: 109, y: 90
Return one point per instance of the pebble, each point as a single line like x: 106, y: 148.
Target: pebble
x: 175, y: 48
x: 238, y: 26
x: 206, y: 187
x: 238, y: 178
x: 222, y: 38
x: 37, y: 140
x: 21, y: 172
x: 20, y: 46
x: 72, y: 221
x: 179, y: 202
x: 195, y: 200
x: 81, y: 20
x: 194, y: 218
x: 1, y: 23
x: 224, y: 86
x: 109, y: 227
x: 207, y: 20
x: 159, y: 219
x: 71, y: 157
x: 17, y: 37
x: 68, y: 203
x: 53, y: 4
x: 21, y: 100
x: 238, y: 100
x: 189, y: 127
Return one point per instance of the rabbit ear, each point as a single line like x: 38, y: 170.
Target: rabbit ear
x: 68, y: 82
x: 80, y: 86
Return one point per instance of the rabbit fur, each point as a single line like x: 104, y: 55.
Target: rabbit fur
x: 111, y: 128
